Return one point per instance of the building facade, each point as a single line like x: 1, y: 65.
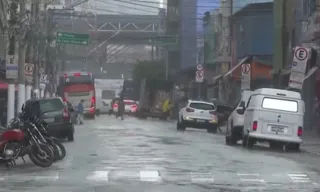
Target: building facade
x: 188, y: 33
x: 239, y: 4
x: 253, y: 31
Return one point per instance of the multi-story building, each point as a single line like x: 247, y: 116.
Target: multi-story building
x: 239, y: 4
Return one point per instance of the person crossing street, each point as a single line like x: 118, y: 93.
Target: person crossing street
x: 80, y: 110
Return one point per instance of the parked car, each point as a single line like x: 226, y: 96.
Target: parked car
x: 130, y: 106
x: 198, y: 114
x: 223, y: 111
x: 235, y: 121
x: 275, y: 116
x: 58, y: 117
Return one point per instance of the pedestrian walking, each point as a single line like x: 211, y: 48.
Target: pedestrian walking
x: 120, y: 112
x: 80, y: 110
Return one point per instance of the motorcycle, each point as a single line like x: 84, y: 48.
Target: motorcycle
x: 40, y: 133
x: 15, y: 142
x: 59, y: 149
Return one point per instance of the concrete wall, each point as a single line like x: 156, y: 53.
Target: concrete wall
x: 254, y: 34
x: 188, y: 35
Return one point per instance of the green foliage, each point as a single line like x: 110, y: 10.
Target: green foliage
x: 154, y: 70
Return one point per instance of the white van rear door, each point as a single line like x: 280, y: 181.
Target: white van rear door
x: 280, y: 116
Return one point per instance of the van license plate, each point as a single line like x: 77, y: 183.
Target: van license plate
x: 201, y: 121
x: 277, y: 128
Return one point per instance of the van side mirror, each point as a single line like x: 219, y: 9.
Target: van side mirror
x: 242, y: 104
x: 240, y: 111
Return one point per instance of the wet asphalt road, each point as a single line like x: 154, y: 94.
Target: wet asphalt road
x: 150, y: 155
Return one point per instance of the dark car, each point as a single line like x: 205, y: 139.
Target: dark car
x: 58, y: 117
x: 223, y: 110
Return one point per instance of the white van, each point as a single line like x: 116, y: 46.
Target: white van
x: 275, y: 116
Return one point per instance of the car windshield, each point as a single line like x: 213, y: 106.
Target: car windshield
x: 51, y: 105
x: 202, y: 106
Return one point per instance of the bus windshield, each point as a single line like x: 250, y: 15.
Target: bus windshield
x: 82, y: 79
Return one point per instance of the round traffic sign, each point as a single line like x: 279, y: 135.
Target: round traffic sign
x: 41, y: 70
x: 199, y: 67
x: 301, y: 53
x: 245, y: 68
x: 199, y: 74
x: 28, y: 68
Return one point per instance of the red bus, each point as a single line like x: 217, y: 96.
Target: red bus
x: 77, y: 86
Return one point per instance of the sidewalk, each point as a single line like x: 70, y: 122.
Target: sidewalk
x: 311, y: 142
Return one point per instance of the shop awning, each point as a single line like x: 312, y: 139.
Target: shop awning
x: 235, y: 67
x: 216, y: 78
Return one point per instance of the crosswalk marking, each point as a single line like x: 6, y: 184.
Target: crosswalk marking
x: 201, y: 177
x: 299, y: 177
x: 99, y: 176
x: 151, y: 176
x: 156, y: 175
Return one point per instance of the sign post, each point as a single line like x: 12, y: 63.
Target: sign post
x: 199, y: 79
x: 245, y: 76
x: 28, y: 71
x: 12, y: 67
x: 43, y: 81
x: 299, y: 66
x: 72, y: 38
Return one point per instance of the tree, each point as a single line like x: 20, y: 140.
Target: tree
x: 154, y: 69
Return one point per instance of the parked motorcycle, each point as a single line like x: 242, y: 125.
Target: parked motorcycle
x: 40, y: 133
x: 59, y: 149
x: 15, y: 142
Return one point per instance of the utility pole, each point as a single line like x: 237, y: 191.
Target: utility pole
x: 13, y: 9
x: 22, y: 51
x: 279, y: 27
x: 34, y: 47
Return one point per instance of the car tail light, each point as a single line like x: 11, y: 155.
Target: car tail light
x: 133, y: 106
x: 213, y: 113
x: 299, y: 132
x: 254, y: 125
x: 189, y: 110
x: 93, y: 101
x: 66, y: 114
x: 115, y: 105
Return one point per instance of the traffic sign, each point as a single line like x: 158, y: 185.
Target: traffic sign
x: 199, y: 76
x: 11, y: 66
x: 246, y: 68
x: 301, y: 53
x: 164, y: 40
x: 72, y: 38
x: 199, y: 67
x: 245, y: 76
x: 28, y: 69
x: 43, y: 78
x: 41, y: 70
x: 299, y: 66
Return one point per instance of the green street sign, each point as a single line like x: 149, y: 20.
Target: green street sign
x: 72, y: 38
x: 164, y: 40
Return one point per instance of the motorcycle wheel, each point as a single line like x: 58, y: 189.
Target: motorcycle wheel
x: 60, y: 147
x: 54, y: 148
x: 41, y: 155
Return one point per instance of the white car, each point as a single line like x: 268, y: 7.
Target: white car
x: 130, y: 106
x: 198, y: 114
x: 235, y: 121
